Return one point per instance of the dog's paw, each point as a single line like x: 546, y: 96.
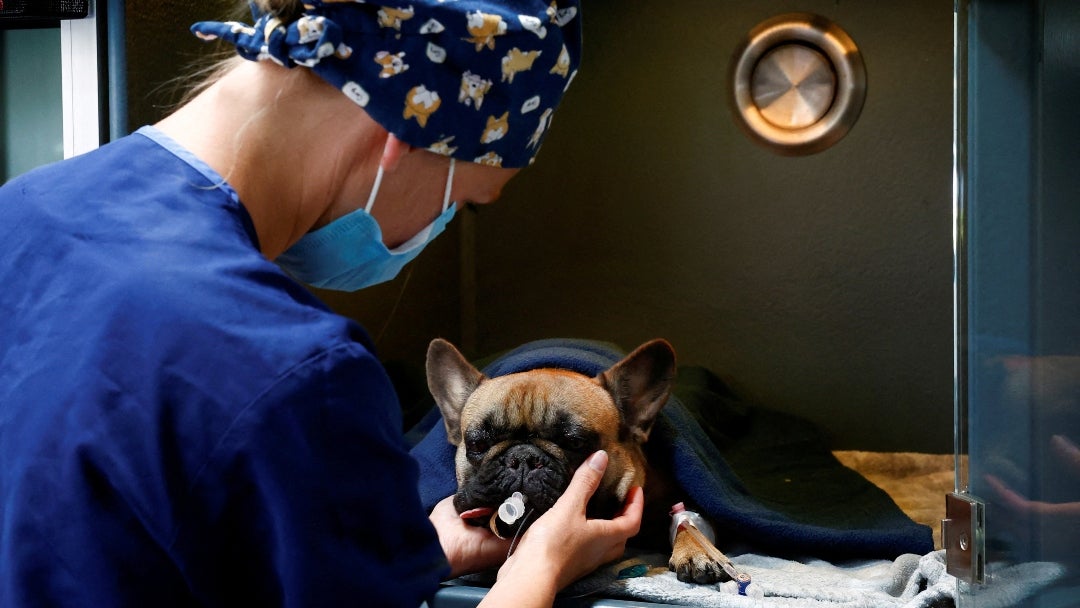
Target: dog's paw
x: 693, y: 565
x: 695, y: 559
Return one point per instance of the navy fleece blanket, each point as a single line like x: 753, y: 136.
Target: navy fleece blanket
x: 767, y: 479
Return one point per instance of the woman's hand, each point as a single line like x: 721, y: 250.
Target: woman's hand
x: 562, y: 545
x: 1069, y: 455
x: 468, y: 548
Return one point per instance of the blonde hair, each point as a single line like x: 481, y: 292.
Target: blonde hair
x: 286, y: 10
x: 201, y: 75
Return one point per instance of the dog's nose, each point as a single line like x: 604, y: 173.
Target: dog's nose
x: 531, y: 462
x: 524, y: 458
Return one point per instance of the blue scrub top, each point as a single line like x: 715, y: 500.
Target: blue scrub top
x: 180, y: 422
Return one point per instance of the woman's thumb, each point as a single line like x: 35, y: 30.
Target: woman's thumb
x: 587, y: 478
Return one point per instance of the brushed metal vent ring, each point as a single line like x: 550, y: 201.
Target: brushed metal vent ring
x: 798, y: 83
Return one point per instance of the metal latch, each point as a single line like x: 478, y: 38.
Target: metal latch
x: 963, y: 532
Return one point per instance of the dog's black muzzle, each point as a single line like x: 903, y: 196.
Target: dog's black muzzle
x: 522, y: 467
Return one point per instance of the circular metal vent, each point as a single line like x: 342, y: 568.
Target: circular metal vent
x: 798, y: 82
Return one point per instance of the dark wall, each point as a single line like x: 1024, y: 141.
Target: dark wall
x: 162, y: 55
x: 819, y: 285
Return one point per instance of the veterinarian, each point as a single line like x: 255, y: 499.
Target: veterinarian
x: 181, y: 422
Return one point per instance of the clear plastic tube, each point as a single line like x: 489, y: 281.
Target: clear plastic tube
x: 680, y: 516
x: 509, y: 513
x: 512, y: 508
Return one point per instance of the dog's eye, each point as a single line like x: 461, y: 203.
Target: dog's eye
x: 578, y: 439
x: 476, y: 447
x: 574, y: 443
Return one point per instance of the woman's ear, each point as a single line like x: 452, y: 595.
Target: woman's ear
x: 393, y: 150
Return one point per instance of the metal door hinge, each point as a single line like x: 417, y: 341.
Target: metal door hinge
x: 963, y: 532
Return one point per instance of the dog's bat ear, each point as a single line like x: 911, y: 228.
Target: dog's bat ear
x: 451, y: 379
x: 640, y: 384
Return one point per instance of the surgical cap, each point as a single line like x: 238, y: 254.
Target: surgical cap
x: 477, y: 80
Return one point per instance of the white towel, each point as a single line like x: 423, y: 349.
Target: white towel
x: 910, y: 581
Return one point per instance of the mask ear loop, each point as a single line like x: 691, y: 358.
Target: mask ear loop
x: 374, y: 190
x: 449, y: 183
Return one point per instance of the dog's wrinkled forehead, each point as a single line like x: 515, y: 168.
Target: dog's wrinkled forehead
x: 540, y: 400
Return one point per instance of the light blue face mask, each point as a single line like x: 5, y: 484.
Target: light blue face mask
x: 348, y: 254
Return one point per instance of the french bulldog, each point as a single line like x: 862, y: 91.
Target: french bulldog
x: 527, y: 433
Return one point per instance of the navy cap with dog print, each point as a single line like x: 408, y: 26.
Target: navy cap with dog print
x: 477, y: 80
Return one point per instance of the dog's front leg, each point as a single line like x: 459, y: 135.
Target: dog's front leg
x: 695, y: 559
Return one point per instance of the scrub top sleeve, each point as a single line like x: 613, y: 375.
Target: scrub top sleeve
x: 312, y: 497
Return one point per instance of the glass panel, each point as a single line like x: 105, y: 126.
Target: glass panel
x: 1018, y: 349
x: 31, y: 112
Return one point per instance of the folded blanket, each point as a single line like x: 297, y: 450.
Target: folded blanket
x: 917, y: 482
x: 766, y: 479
